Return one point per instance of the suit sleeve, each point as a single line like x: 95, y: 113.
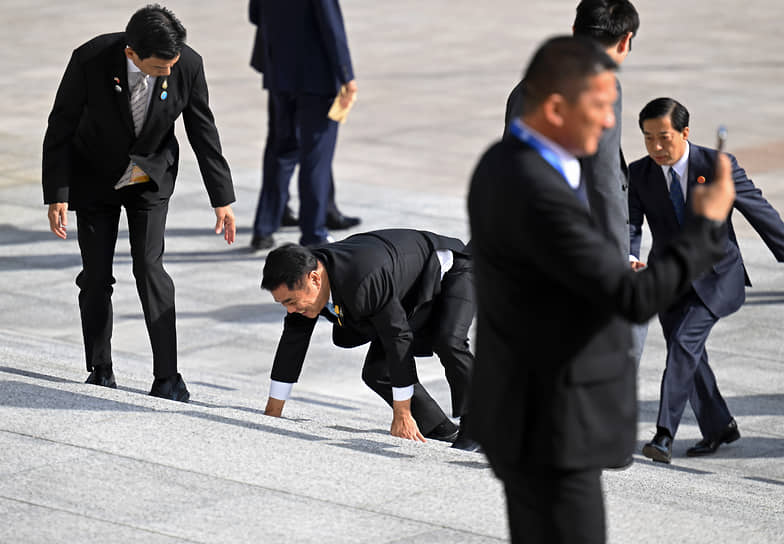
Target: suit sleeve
x: 203, y: 137
x: 605, y: 187
x: 560, y: 234
x: 757, y: 210
x: 292, y: 348
x: 69, y: 104
x: 333, y: 34
x: 636, y: 215
x: 383, y: 309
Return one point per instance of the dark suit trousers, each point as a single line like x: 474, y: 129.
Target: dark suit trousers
x: 687, y: 375
x: 97, y: 233
x: 299, y: 132
x: 548, y: 505
x: 446, y: 334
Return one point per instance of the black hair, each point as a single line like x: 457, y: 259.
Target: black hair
x: 155, y: 31
x: 606, y: 21
x: 563, y: 65
x: 287, y: 265
x: 666, y: 107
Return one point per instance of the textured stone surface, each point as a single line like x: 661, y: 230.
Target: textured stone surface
x: 85, y: 464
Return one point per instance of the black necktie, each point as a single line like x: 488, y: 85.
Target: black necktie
x: 676, y: 195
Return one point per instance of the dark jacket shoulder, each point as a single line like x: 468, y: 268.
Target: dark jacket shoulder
x: 98, y: 45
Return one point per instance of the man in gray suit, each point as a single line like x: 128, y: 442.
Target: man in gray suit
x: 612, y: 23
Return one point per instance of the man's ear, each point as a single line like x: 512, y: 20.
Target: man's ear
x: 315, y: 278
x: 625, y: 44
x: 553, y: 108
x: 685, y: 133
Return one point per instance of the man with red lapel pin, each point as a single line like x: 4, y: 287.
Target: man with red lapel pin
x: 109, y: 145
x: 660, y: 190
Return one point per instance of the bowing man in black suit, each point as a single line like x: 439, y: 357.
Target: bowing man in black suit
x: 553, y: 396
x: 661, y: 189
x: 409, y: 293
x: 109, y: 145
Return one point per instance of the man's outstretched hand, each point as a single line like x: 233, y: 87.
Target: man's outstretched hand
x: 225, y: 223
x: 58, y: 219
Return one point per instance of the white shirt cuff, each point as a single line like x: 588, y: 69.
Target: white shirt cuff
x: 402, y: 393
x: 633, y: 259
x: 280, y: 390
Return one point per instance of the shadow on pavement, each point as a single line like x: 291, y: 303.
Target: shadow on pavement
x: 31, y: 396
x: 238, y: 313
x: 762, y: 298
x: 746, y: 405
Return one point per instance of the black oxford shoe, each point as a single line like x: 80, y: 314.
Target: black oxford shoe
x: 342, y: 222
x: 171, y: 388
x: 706, y: 446
x: 259, y: 243
x: 464, y: 441
x: 102, y: 375
x: 623, y: 464
x: 445, y: 431
x: 466, y: 444
x: 659, y: 449
x: 289, y: 219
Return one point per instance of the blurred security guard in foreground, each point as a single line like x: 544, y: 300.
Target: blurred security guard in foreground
x: 553, y: 399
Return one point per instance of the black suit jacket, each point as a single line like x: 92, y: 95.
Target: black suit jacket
x: 90, y: 137
x: 383, y: 283
x: 555, y: 381
x: 721, y: 288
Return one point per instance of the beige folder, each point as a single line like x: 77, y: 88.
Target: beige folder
x: 337, y: 112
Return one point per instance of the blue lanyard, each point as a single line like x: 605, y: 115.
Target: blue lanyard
x: 519, y: 131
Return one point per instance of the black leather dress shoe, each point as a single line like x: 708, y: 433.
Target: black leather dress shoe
x: 341, y: 222
x: 706, y: 446
x: 659, y: 449
x: 464, y: 441
x: 289, y: 219
x: 171, y: 388
x: 102, y: 375
x: 258, y: 243
x: 622, y: 464
x: 445, y: 431
x: 318, y: 243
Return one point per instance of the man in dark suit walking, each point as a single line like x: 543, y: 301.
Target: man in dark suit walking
x: 661, y: 190
x: 409, y: 293
x: 553, y: 396
x: 306, y: 63
x: 109, y: 145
